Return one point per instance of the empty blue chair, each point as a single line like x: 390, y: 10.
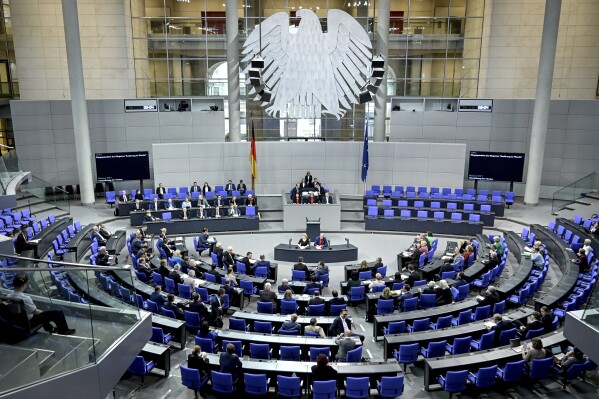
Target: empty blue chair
x: 373, y: 211
x: 248, y: 288
x: 288, y: 307
x: 377, y: 288
x: 365, y: 275
x: 454, y: 381
x: 402, y: 203
x: 407, y: 354
x: 389, y: 213
x: 184, y: 291
x: 449, y: 275
x: 540, y: 368
x: 238, y: 324
x: 506, y: 335
x: 485, y: 342
x: 434, y: 349
x: 289, y: 353
x: 419, y: 325
x: 456, y: 216
x: 463, y: 292
x: 357, y: 294
x: 384, y: 306
x: 499, y: 307
x: 316, y: 310
x: 390, y: 387
x: 387, y: 203
x: 483, y: 282
x: 485, y: 208
x: 512, y: 372
x: 264, y: 327
x: 266, y: 307
x: 405, y: 213
x: 192, y: 320
x: 484, y: 377
x: 250, y: 211
x: 418, y: 204
x: 289, y: 387
x: 442, y: 322
x: 534, y: 333
x: 464, y: 317
x: 298, y: 275
x: 410, y: 304
x: 140, y: 367
x: 168, y: 313
x: 427, y: 301
x: 452, y: 205
x: 170, y: 285
x: 474, y: 217
x: 335, y: 310
x: 459, y: 346
x: 324, y: 389
x: 354, y: 355
x: 481, y: 313
x: 191, y: 379
x: 152, y: 306
x: 260, y: 351
x: 222, y: 382
x: 315, y: 351
x: 395, y: 327
x: 439, y: 215
x: 357, y: 388
x: 422, y: 214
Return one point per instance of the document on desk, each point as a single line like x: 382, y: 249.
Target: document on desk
x: 35, y: 242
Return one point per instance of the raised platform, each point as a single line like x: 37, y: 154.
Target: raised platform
x: 335, y: 253
x: 295, y: 215
x: 195, y: 226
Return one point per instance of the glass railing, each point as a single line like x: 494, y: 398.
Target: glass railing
x: 44, y: 191
x: 62, y: 293
x: 572, y: 192
x: 590, y: 313
x: 9, y: 167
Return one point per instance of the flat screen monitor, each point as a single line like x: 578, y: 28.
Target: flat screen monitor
x: 501, y: 166
x: 117, y: 166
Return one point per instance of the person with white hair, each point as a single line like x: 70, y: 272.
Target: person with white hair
x: 190, y: 279
x: 267, y: 295
x: 377, y: 282
x: 229, y: 258
x: 97, y: 236
x: 587, y: 247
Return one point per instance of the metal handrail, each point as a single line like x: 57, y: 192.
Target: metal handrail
x: 574, y: 185
x: 69, y: 265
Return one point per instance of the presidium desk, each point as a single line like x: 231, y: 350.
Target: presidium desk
x: 331, y: 254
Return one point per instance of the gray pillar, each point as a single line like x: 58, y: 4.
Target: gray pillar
x: 382, y: 47
x: 78, y: 102
x: 540, y: 118
x: 233, y: 71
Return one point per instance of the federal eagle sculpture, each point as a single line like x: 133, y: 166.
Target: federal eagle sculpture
x: 309, y: 72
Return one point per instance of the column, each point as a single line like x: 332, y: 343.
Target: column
x: 233, y: 71
x: 540, y: 117
x: 382, y: 47
x: 78, y: 103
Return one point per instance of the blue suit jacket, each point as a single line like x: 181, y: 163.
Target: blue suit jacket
x: 317, y: 240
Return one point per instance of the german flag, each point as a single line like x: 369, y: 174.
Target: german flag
x: 253, y: 158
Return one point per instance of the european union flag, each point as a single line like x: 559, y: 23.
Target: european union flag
x: 365, y: 154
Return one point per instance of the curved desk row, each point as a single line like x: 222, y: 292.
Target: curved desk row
x: 580, y: 232
x: 81, y: 242
x: 562, y: 254
x: 436, y: 367
x: 116, y: 242
x: 498, y: 208
x: 195, y: 226
x: 521, y: 273
x: 488, y: 218
x: 48, y: 235
x: 331, y: 254
x: 277, y: 320
x: 256, y: 281
x: 474, y: 329
x: 437, y: 226
x: 128, y: 207
x: 136, y: 217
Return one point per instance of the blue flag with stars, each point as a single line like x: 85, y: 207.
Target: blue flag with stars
x: 365, y: 154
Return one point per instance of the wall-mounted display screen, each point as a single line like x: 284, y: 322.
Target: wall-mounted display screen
x: 117, y: 166
x: 501, y: 166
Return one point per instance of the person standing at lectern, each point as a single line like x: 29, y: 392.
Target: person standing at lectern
x: 321, y: 242
x: 160, y: 190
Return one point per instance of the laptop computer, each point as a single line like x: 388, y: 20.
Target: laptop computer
x: 515, y: 343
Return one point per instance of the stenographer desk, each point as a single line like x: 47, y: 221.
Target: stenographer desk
x: 473, y: 361
x: 195, y: 225
x: 331, y: 254
x: 437, y: 226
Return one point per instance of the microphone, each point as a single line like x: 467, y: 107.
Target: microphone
x: 290, y: 242
x: 347, y: 242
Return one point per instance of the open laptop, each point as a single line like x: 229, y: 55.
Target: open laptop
x: 516, y: 345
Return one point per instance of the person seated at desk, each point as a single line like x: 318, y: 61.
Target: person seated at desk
x: 196, y: 305
x: 575, y: 356
x: 241, y: 187
x: 498, y: 245
x: 163, y: 270
x: 336, y: 299
x: 314, y: 328
x: 414, y: 275
x: 198, y: 360
x: 291, y: 325
x: 36, y: 316
x: 443, y: 292
x: 217, y: 207
x: 430, y: 288
x: 459, y: 280
x: 104, y: 232
x: 250, y: 201
x: 230, y: 276
x: 316, y: 299
x: 321, y: 270
x: 345, y: 343
x: 138, y: 195
x: 295, y: 191
x: 166, y: 248
x: 321, y: 242
x: 249, y: 263
x: 228, y: 288
x: 230, y: 363
x: 169, y: 205
x: 414, y: 254
x: 124, y: 198
x: 312, y: 284
x: 354, y: 281
x: 233, y: 211
x: 103, y: 258
x: 327, y: 199
x: 139, y: 205
x: 206, y: 188
x: 230, y: 187
x: 284, y: 286
x: 535, y: 352
x: 22, y: 243
x: 205, y: 241
x: 262, y: 262
x: 267, y: 295
x: 582, y: 261
x: 216, y: 306
x: 469, y: 252
x: 234, y: 201
x: 154, y: 205
x: 300, y: 265
x: 587, y: 247
x: 195, y: 188
x: 378, y: 263
x: 297, y: 200
x: 377, y: 282
x: 175, y: 275
x: 341, y: 324
x: 594, y: 229
x: 492, y: 261
x: 219, y: 202
x: 447, y: 266
x: 201, y: 212
x: 148, y: 217
x: 206, y: 332
x: 538, y: 262
x: 144, y: 267
x: 203, y: 202
x: 229, y: 258
x: 189, y: 279
x: 212, y: 270
x: 95, y: 235
x: 311, y: 199
x: 535, y: 324
x: 157, y: 297
x: 185, y: 206
x: 386, y: 293
x: 491, y: 297
x: 218, y: 250
x: 304, y: 242
x: 170, y: 305
x: 322, y: 371
x: 405, y: 293
x: 160, y: 190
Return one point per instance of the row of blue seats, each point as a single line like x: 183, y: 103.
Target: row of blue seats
x: 435, y: 192
x: 387, y: 203
x: 373, y: 212
x: 62, y: 239
x: 570, y: 238
x: 11, y: 221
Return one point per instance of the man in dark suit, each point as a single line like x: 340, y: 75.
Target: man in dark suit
x: 459, y: 280
x: 197, y: 306
x: 204, y: 240
x: 501, y: 324
x: 346, y: 344
x: 284, y: 286
x: 22, y: 243
x: 170, y: 305
x: 336, y: 299
x: 124, y: 197
x: 229, y: 362
x: 95, y: 235
x: 295, y: 190
x: 262, y: 262
x: 241, y: 187
x: 318, y: 191
x: 154, y: 205
x: 229, y: 187
x: 229, y: 258
x: 175, y: 276
x: 136, y: 244
x: 216, y: 305
x: 195, y: 188
x: 266, y: 295
x: 378, y: 263
x: 535, y: 324
x: 139, y: 205
x: 212, y: 270
x: 413, y: 276
x: 166, y: 248
x: 546, y: 319
x: 291, y: 325
x: 162, y: 269
x: 157, y: 297
x: 160, y: 190
x: 430, y: 288
x: 312, y: 284
x: 229, y: 290
x: 491, y: 297
x: 103, y: 258
x: 406, y: 293
x: 446, y: 267
x: 327, y: 199
x: 316, y: 299
x: 300, y: 265
x: 308, y: 179
x: 321, y: 242
x: 247, y: 261
x: 341, y: 324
